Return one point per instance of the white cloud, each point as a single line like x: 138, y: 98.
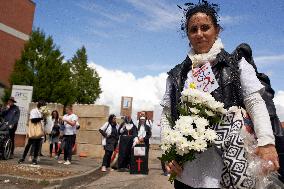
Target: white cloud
x: 159, y: 14
x: 269, y: 59
x: 102, y: 11
x: 100, y: 33
x: 147, y: 91
x: 226, y: 19
x: 279, y: 103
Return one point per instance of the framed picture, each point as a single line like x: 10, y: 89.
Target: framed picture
x: 126, y: 102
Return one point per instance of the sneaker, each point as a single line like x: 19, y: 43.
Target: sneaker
x: 67, y: 162
x: 56, y: 157
x: 21, y: 161
x: 60, y: 162
x: 34, y: 162
x: 104, y: 169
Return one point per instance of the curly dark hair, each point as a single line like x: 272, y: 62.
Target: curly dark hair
x: 41, y: 103
x: 202, y: 6
x: 110, y: 118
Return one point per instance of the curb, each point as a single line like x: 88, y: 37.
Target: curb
x: 55, y: 183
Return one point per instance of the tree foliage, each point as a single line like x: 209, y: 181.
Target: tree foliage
x: 85, y: 80
x: 42, y: 66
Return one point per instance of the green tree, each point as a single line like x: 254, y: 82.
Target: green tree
x: 41, y: 66
x: 85, y: 80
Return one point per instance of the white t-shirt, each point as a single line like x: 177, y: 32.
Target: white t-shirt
x: 107, y: 129
x: 69, y: 129
x: 35, y: 113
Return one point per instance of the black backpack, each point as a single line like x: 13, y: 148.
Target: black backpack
x: 244, y: 50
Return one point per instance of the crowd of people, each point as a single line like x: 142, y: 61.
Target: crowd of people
x: 124, y: 137
x: 62, y: 135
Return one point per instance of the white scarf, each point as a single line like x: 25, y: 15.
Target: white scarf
x: 200, y: 59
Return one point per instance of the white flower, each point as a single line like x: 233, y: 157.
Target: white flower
x: 192, y: 126
x: 44, y: 111
x: 183, y: 121
x: 190, y: 145
x: 181, y: 152
x: 233, y: 109
x: 184, y: 125
x: 165, y: 147
x: 166, y: 136
x: 200, y: 121
x: 210, y: 135
x: 200, y: 145
x: 222, y: 110
x: 181, y: 143
x: 198, y: 135
x: 194, y: 110
x: 209, y: 113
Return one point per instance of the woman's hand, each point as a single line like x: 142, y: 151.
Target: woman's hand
x: 174, y: 167
x: 268, y: 153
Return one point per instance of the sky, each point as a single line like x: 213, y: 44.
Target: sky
x: 133, y: 43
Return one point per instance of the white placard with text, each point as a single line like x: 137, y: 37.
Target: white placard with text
x: 204, y: 78
x: 23, y: 96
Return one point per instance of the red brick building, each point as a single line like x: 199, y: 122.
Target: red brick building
x: 16, y: 20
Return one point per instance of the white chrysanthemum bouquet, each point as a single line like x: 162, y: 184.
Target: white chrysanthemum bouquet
x: 44, y: 111
x: 47, y: 120
x: 192, y: 132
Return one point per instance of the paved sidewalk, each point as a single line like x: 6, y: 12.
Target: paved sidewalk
x: 124, y: 180
x: 47, y: 173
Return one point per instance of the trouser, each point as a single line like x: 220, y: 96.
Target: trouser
x: 12, y: 137
x: 107, y: 158
x: 68, y: 147
x: 51, y: 147
x: 39, y: 148
x: 62, y: 146
x: 180, y: 185
x: 73, y: 140
x: 36, y: 144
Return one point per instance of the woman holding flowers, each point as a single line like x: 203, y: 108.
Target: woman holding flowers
x: 232, y: 82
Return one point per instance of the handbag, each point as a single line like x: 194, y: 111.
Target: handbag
x: 35, y: 130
